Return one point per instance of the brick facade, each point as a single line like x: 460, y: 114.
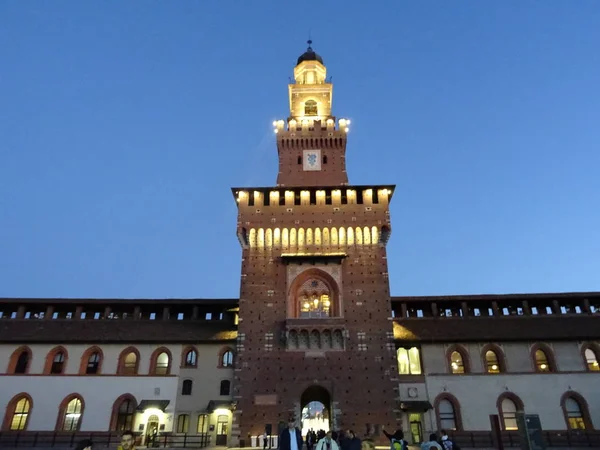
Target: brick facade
x: 324, y: 232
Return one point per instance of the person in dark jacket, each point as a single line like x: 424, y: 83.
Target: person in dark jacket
x: 291, y: 437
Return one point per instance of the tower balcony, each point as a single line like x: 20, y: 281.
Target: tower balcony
x: 315, y: 334
x: 311, y: 124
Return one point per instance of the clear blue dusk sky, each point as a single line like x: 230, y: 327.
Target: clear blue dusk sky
x: 123, y: 125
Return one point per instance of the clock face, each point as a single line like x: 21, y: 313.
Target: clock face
x: 312, y: 159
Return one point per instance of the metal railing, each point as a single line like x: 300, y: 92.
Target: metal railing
x: 65, y: 439
x: 485, y: 439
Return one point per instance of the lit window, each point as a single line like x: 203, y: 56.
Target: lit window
x: 162, y: 364
x: 202, y: 423
x: 20, y: 414
x: 315, y: 306
x: 591, y: 360
x: 541, y: 361
x: 456, y: 362
x: 574, y: 414
x: 447, y: 415
x: 491, y: 362
x: 130, y: 364
x: 509, y: 414
x: 72, y: 415
x: 409, y: 361
x: 183, y: 423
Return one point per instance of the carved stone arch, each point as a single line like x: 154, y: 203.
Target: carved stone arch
x: 318, y: 275
x: 315, y: 340
x: 293, y: 340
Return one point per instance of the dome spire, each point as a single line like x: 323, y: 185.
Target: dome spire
x: 309, y: 54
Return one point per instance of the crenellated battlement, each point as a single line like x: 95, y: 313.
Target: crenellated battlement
x: 317, y: 196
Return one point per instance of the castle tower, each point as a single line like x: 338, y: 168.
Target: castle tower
x: 314, y: 310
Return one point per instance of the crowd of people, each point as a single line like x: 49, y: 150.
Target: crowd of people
x: 291, y: 439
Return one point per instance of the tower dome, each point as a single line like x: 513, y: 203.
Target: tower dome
x: 309, y: 55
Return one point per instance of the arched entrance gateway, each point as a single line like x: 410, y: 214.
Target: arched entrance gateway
x: 315, y: 404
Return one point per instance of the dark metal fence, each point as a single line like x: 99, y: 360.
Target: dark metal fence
x: 62, y: 439
x: 485, y: 439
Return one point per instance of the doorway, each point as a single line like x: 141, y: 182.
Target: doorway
x: 152, y: 431
x: 315, y: 404
x: 416, y: 427
x: 222, y: 430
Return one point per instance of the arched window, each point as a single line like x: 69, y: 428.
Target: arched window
x: 123, y: 413
x: 190, y: 357
x: 575, y: 410
x: 129, y: 361
x: 508, y: 405
x: 56, y: 361
x: 447, y: 411
x: 225, y: 387
x: 227, y: 359
x: 509, y: 414
x: 91, y: 361
x: 69, y: 413
x: 310, y: 108
x: 590, y: 356
x: 19, y: 361
x: 313, y: 294
x: 17, y: 413
x: 93, y: 364
x: 183, y: 423
x: 458, y: 360
x: 493, y: 359
x: 446, y: 415
x: 186, y: 387
x: 543, y: 358
x: 160, y: 362
x: 574, y: 414
x: 409, y: 361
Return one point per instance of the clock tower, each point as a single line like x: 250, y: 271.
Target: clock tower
x: 314, y: 311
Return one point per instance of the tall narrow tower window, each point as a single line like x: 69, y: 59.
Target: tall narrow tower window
x: 310, y: 108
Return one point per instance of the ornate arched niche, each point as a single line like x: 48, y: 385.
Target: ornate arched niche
x: 314, y: 292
